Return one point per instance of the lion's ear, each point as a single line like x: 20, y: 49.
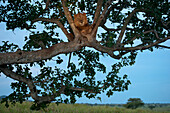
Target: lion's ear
x: 84, y: 14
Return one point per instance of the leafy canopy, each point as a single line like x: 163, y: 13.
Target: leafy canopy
x: 120, y: 24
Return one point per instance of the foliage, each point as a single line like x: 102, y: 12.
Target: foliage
x: 134, y: 103
x: 152, y: 106
x: 129, y: 21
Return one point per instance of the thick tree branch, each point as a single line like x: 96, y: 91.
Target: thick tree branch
x: 97, y: 12
x: 70, y: 38
x: 110, y: 51
x: 33, y: 56
x: 69, y: 18
x: 103, y: 49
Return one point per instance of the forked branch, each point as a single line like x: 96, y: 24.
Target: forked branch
x: 108, y: 3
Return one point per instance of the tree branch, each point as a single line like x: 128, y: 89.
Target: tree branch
x: 165, y: 25
x: 33, y: 56
x: 47, y: 4
x: 82, y: 89
x: 103, y: 49
x: 69, y: 18
x: 111, y: 29
x: 32, y: 87
x: 156, y: 34
x: 56, y: 22
x: 97, y: 12
x: 21, y: 78
x: 13, y: 75
x: 141, y: 47
x: 110, y: 51
x: 163, y: 46
x: 108, y: 12
x: 125, y: 24
x: 41, y: 44
x: 101, y: 17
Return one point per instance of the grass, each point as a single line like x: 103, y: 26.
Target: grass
x: 75, y: 108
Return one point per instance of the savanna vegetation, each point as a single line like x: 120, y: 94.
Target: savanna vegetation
x: 81, y: 108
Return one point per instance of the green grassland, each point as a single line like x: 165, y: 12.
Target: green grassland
x: 79, y: 108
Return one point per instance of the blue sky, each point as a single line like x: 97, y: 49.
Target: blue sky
x: 150, y: 75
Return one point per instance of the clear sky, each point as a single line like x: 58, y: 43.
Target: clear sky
x: 150, y: 75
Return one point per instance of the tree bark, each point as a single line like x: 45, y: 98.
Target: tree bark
x: 33, y: 56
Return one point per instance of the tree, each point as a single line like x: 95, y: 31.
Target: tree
x: 121, y: 23
x: 134, y: 103
x: 1, y: 97
x: 151, y: 106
